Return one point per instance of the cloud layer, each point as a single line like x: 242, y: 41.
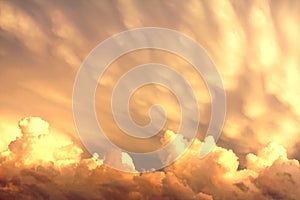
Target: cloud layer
x: 37, y: 166
x: 255, y: 46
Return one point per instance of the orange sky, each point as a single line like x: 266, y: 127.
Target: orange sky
x: 255, y: 46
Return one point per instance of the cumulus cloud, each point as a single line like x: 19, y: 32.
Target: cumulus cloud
x: 36, y: 145
x: 218, y: 173
x: 63, y: 173
x: 255, y: 46
x: 267, y: 156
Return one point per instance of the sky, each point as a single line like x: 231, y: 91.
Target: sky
x: 255, y: 46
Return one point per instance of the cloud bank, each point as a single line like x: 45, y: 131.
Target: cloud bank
x: 254, y: 44
x: 43, y: 165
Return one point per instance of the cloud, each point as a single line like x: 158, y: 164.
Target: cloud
x: 218, y: 173
x: 63, y: 173
x: 23, y: 27
x: 255, y: 46
x: 36, y: 145
x: 119, y: 160
x: 280, y: 181
x: 267, y: 156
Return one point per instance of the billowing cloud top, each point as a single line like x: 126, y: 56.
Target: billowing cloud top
x: 37, y: 166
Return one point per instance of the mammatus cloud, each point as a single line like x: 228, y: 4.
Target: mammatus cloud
x: 254, y: 44
x: 44, y: 165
